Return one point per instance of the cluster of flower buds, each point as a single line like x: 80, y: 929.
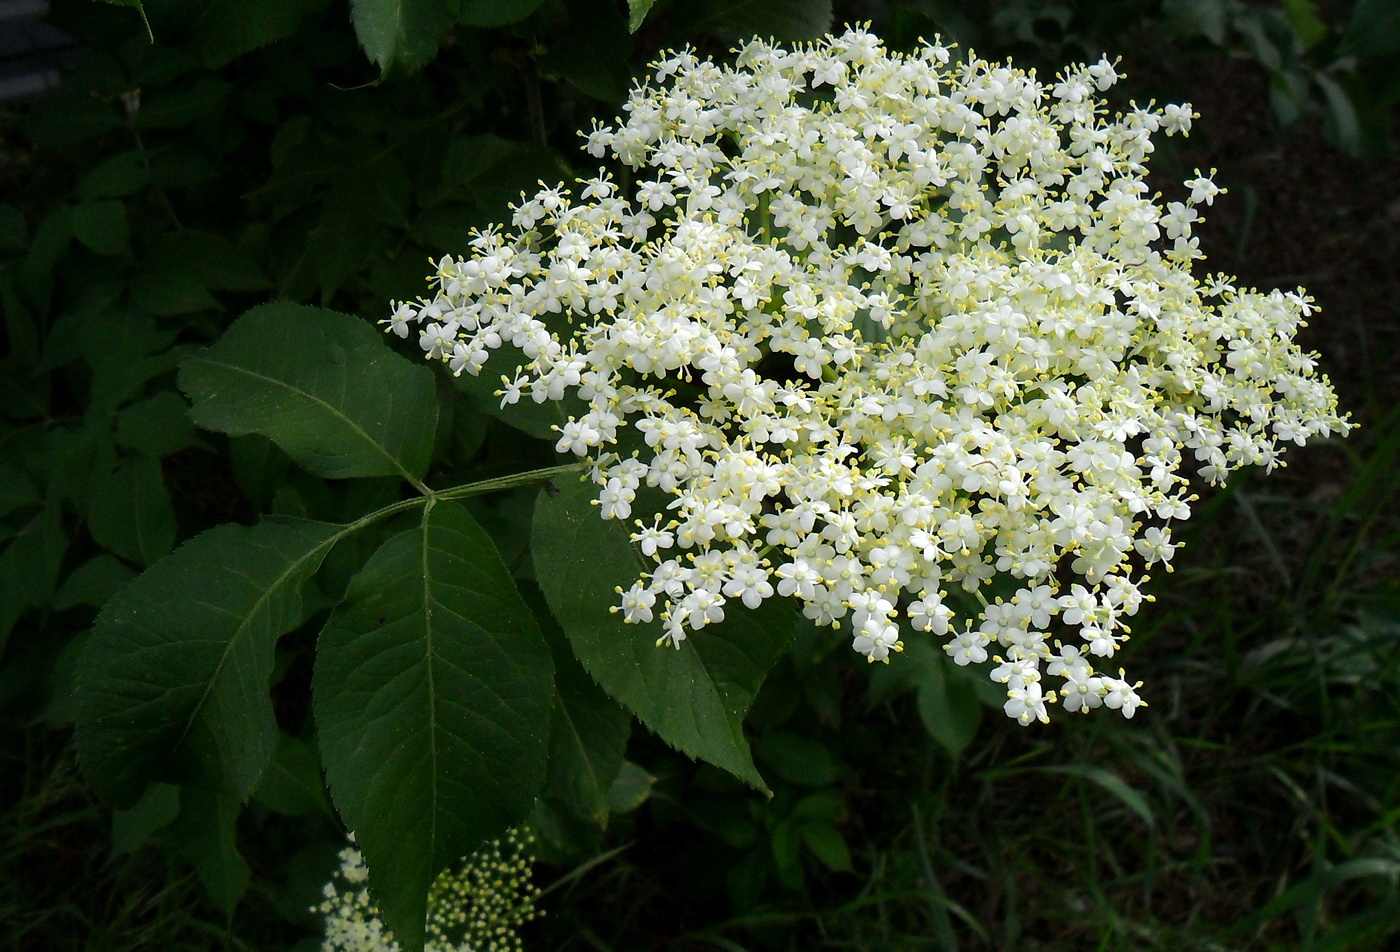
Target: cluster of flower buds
x: 478, y: 906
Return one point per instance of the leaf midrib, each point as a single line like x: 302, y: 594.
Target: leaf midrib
x: 432, y: 683
x: 241, y: 629
x: 338, y: 414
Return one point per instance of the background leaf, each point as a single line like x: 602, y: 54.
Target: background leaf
x: 594, y: 57
x: 637, y: 11
x: 226, y: 29
x: 204, y: 835
x: 291, y: 784
x: 694, y: 696
x: 630, y: 789
x: 947, y: 700
x: 29, y: 567
x: 1375, y: 28
x: 157, y: 808
x: 587, y: 737
x: 103, y: 227
x: 130, y: 512
x: 323, y: 385
x: 495, y: 12
x: 432, y: 696
x: 743, y: 19
x: 93, y: 582
x: 174, y: 682
x: 400, y: 35
x: 158, y: 426
x: 212, y: 260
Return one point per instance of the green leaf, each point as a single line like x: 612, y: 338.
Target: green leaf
x: 488, y: 173
x: 125, y: 349
x: 170, y: 293
x: 130, y: 512
x: 157, y: 809
x: 182, y: 104
x: 291, y: 784
x: 122, y: 174
x: 694, y: 696
x: 16, y: 491
x: 38, y: 267
x: 259, y: 468
x: 204, y: 836
x: 780, y: 19
x: 1189, y: 18
x: 351, y: 232
x: 175, y: 680
x: 400, y: 35
x: 227, y: 29
x: 14, y: 233
x: 29, y: 567
x: 103, y: 227
x: 432, y: 696
x: 1129, y: 796
x: 60, y: 709
x: 797, y: 759
x: 180, y: 165
x: 134, y: 4
x: 495, y: 12
x: 630, y: 788
x: 323, y: 385
x: 159, y: 425
x: 21, y: 324
x: 637, y: 11
x: 212, y: 259
x: 825, y: 841
x: 70, y: 117
x: 1374, y: 28
x: 1307, y: 24
x: 93, y: 583
x: 1342, y: 121
x: 587, y: 737
x: 947, y: 702
x: 593, y: 56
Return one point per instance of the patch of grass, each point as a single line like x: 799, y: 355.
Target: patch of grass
x: 60, y: 887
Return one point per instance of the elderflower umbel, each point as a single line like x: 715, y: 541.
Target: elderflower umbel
x: 476, y: 908
x: 883, y: 326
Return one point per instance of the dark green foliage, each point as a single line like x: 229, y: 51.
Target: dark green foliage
x: 238, y: 195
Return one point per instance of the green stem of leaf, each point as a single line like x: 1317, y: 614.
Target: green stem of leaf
x: 480, y: 488
x: 509, y: 482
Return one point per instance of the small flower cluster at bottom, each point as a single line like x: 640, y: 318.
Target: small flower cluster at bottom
x: 477, y: 907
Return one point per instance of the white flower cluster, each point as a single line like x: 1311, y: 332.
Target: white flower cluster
x: 884, y: 325
x: 478, y: 907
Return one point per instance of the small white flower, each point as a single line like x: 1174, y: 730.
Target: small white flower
x: 1122, y: 696
x: 1081, y: 692
x: 1026, y: 704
